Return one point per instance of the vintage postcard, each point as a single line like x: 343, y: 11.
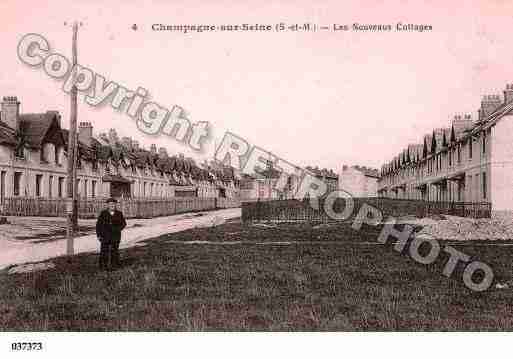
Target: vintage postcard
x: 254, y: 166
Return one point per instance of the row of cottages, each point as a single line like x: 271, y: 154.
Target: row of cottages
x: 263, y: 185
x: 33, y: 163
x: 359, y: 181
x: 472, y: 161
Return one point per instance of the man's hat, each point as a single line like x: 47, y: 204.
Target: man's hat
x: 112, y: 200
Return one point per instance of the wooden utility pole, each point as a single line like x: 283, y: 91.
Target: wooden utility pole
x: 72, y: 155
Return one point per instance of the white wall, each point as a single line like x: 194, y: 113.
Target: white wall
x: 501, y: 167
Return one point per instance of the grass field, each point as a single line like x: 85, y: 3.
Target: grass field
x: 288, y: 278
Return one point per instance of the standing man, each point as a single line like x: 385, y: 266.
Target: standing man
x: 109, y: 225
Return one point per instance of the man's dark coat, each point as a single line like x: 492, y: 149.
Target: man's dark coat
x: 108, y: 228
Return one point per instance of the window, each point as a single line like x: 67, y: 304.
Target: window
x: 60, y: 187
x: 56, y: 149
x: 17, y: 183
x: 93, y: 189
x: 85, y: 188
x: 470, y: 148
x: 39, y: 181
x: 50, y: 185
x: 78, y: 188
x: 484, y: 185
x: 450, y: 157
x: 459, y: 153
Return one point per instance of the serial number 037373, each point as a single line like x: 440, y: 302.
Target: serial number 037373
x: 26, y: 346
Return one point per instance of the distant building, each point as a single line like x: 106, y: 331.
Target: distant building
x: 359, y: 181
x: 263, y: 186
x: 472, y: 161
x: 329, y: 177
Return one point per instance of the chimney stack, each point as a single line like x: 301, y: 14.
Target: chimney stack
x: 489, y: 104
x: 135, y: 145
x: 508, y: 93
x: 153, y: 148
x: 85, y: 132
x: 462, y: 123
x: 10, y: 114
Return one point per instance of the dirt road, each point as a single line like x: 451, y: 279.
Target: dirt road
x: 24, y: 251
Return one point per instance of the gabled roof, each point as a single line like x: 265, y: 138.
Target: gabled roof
x: 35, y: 126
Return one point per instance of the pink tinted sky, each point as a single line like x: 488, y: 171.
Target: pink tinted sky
x: 324, y: 99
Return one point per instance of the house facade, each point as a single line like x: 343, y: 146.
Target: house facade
x: 33, y: 163
x: 359, y: 181
x: 329, y: 177
x: 263, y: 186
x: 470, y: 161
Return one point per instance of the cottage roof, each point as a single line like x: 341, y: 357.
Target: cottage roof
x: 35, y: 127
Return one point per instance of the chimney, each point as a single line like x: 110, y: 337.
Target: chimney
x: 153, y: 148
x: 127, y: 142
x: 508, y: 93
x: 135, y: 145
x: 113, y: 136
x: 85, y: 132
x: 462, y: 123
x: 489, y: 104
x: 10, y: 114
x: 162, y: 152
x: 344, y: 168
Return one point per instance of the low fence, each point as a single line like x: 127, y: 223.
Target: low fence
x: 132, y: 208
x: 295, y: 210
